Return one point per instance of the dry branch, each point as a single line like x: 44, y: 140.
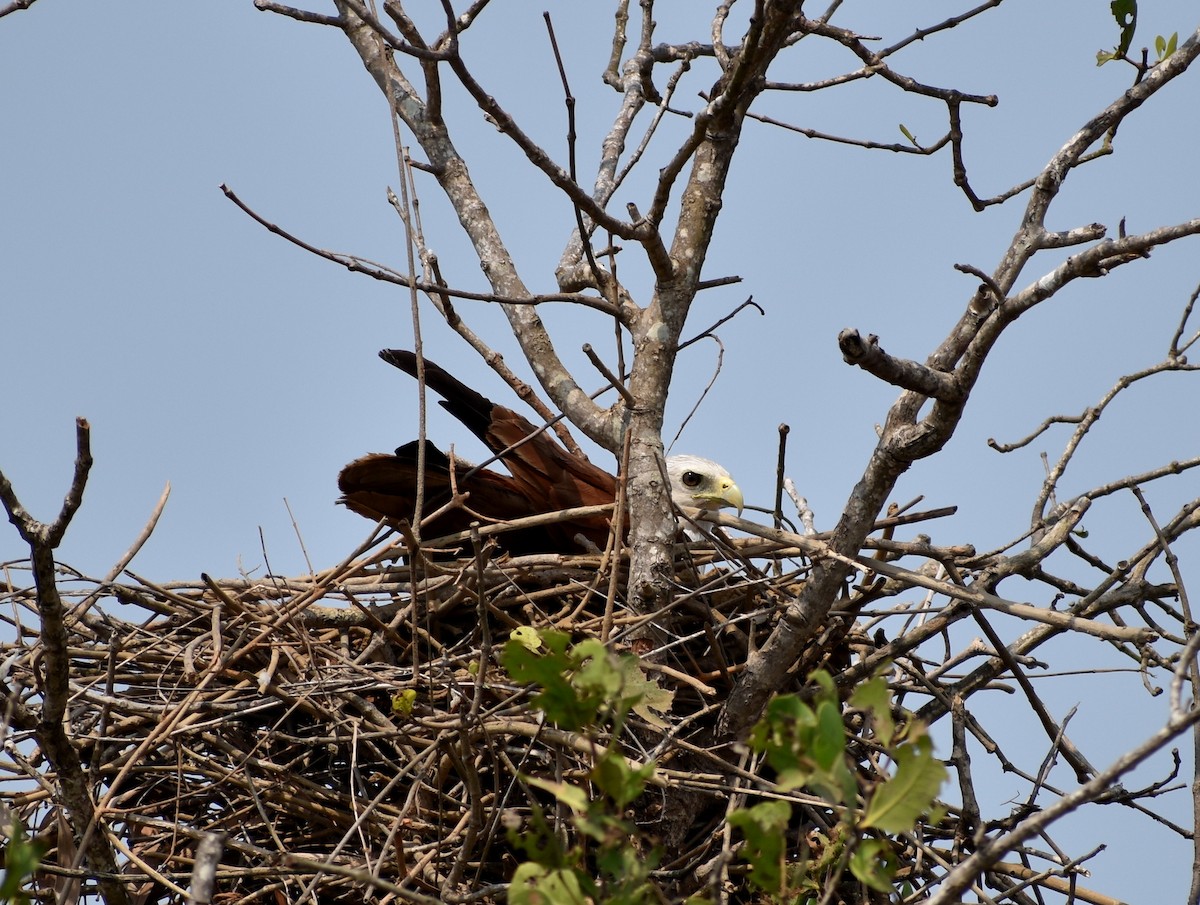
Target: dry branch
x: 268, y: 712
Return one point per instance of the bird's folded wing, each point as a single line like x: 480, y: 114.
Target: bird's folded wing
x: 544, y: 470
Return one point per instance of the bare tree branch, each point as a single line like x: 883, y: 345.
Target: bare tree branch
x: 905, y: 439
x: 15, y: 6
x: 52, y: 734
x: 962, y: 876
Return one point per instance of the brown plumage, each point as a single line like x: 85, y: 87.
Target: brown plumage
x: 544, y: 477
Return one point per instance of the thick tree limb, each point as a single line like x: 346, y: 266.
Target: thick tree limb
x: 904, y: 373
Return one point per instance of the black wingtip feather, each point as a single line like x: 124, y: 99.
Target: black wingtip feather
x: 473, y: 409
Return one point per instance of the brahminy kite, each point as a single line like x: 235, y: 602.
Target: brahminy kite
x: 544, y: 476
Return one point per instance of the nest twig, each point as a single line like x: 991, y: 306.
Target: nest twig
x: 352, y: 735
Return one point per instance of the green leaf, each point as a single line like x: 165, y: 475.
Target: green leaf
x: 593, y: 659
x: 1164, y: 47
x: 829, y: 742
x: 1125, y: 14
x: 836, y: 785
x: 628, y: 869
x: 872, y: 866
x: 598, y: 674
x: 783, y: 735
x: 20, y: 858
x: 904, y: 131
x: 786, y: 709
x: 533, y: 884
x: 572, y: 796
x: 897, y: 803
x: 827, y: 691
x: 647, y: 698
x: 873, y: 696
x: 552, y: 669
x: 842, y: 787
x: 806, y: 747
x: 527, y: 636
x: 620, y: 781
x: 765, y: 827
x: 402, y: 702
x: 529, y: 666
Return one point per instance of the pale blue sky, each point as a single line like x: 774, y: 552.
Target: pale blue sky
x: 211, y: 354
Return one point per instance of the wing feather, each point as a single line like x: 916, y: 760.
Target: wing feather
x: 545, y: 477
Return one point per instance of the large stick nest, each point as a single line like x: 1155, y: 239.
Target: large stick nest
x: 353, y: 736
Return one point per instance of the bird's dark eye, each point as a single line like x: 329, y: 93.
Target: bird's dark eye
x: 691, y: 479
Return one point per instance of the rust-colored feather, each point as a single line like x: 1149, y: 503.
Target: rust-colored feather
x: 544, y: 476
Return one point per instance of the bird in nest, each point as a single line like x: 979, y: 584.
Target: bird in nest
x: 543, y: 476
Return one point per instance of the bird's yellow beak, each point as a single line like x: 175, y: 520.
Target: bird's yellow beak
x: 727, y: 494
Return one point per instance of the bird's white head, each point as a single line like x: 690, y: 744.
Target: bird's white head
x: 702, y: 483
